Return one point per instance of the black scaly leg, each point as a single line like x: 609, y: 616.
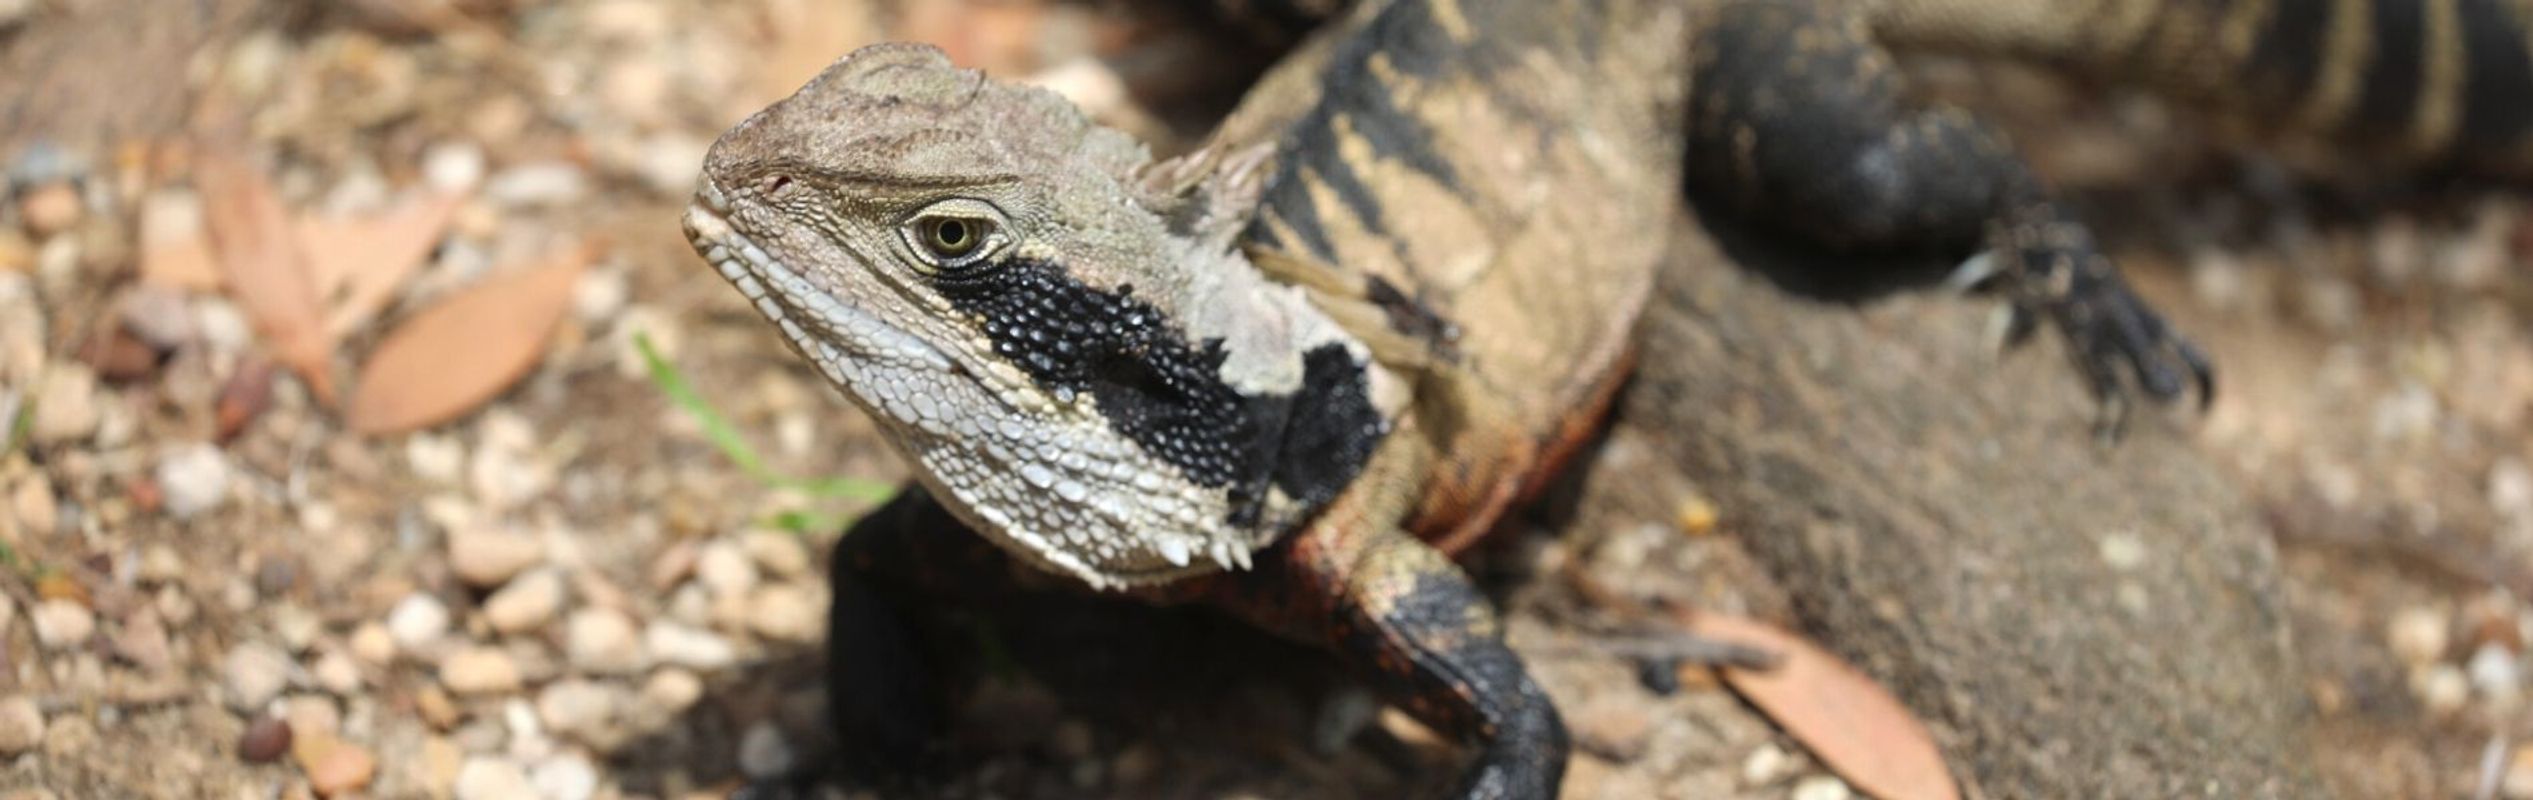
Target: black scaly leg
x: 895, y: 568
x: 1799, y: 126
x: 1408, y: 621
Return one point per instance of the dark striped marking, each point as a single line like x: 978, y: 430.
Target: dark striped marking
x: 2390, y: 94
x: 2285, y: 65
x: 2497, y: 78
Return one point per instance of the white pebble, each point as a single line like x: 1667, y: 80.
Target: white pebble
x: 545, y: 183
x: 1821, y: 787
x: 580, y: 709
x: 684, y: 646
x: 565, y: 777
x: 2494, y: 674
x: 61, y: 624
x: 418, y: 622
x: 254, y: 674
x: 193, y: 479
x: 493, y: 778
x: 453, y: 167
x: 601, y: 641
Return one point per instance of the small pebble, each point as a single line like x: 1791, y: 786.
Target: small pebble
x: 62, y: 624
x: 34, y: 506
x: 312, y: 715
x: 600, y: 641
x: 2417, y: 635
x: 418, y: 622
x: 788, y: 612
x: 599, y: 295
x: 254, y: 674
x: 66, y: 405
x: 672, y: 690
x: 21, y: 725
x: 2441, y: 687
x: 726, y: 570
x: 763, y: 752
x: 453, y: 167
x: 565, y: 777
x: 684, y: 646
x: 265, y: 739
x: 1821, y: 787
x: 493, y: 778
x: 50, y: 209
x: 2494, y: 674
x: 540, y: 184
x: 580, y: 709
x: 779, y: 552
x: 434, y: 705
x: 142, y: 640
x: 1765, y: 765
x: 439, y: 459
x: 337, y: 673
x: 342, y: 769
x: 194, y: 479
x: 374, y: 646
x: 525, y: 604
x: 479, y: 670
x: 488, y: 557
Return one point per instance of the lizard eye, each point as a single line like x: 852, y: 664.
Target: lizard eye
x: 951, y: 237
x: 955, y: 233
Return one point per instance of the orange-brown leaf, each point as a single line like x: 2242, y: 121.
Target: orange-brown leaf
x: 465, y: 349
x: 266, y: 273
x: 360, y: 262
x: 1849, y: 722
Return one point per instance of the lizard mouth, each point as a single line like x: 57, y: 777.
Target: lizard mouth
x: 829, y: 332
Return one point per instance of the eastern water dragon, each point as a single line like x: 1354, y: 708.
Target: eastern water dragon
x: 1290, y: 374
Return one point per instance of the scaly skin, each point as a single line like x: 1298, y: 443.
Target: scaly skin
x: 1290, y: 374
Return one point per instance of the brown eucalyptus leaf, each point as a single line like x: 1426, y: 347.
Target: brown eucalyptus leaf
x: 465, y: 349
x: 264, y: 269
x: 360, y: 262
x: 1846, y: 719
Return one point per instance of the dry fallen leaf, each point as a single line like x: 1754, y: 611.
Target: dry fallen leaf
x: 465, y: 349
x: 246, y: 395
x: 1849, y: 722
x: 358, y: 263
x: 265, y: 270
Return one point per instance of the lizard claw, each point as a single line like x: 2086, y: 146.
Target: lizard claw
x: 2054, y: 272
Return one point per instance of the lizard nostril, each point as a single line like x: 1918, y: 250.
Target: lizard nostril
x: 777, y: 183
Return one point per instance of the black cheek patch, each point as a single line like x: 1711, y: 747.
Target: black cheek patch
x: 1166, y: 393
x: 1332, y: 429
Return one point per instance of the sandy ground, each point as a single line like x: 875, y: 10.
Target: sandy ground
x: 569, y: 592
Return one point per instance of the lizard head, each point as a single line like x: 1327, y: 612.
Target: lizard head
x: 1075, y: 357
